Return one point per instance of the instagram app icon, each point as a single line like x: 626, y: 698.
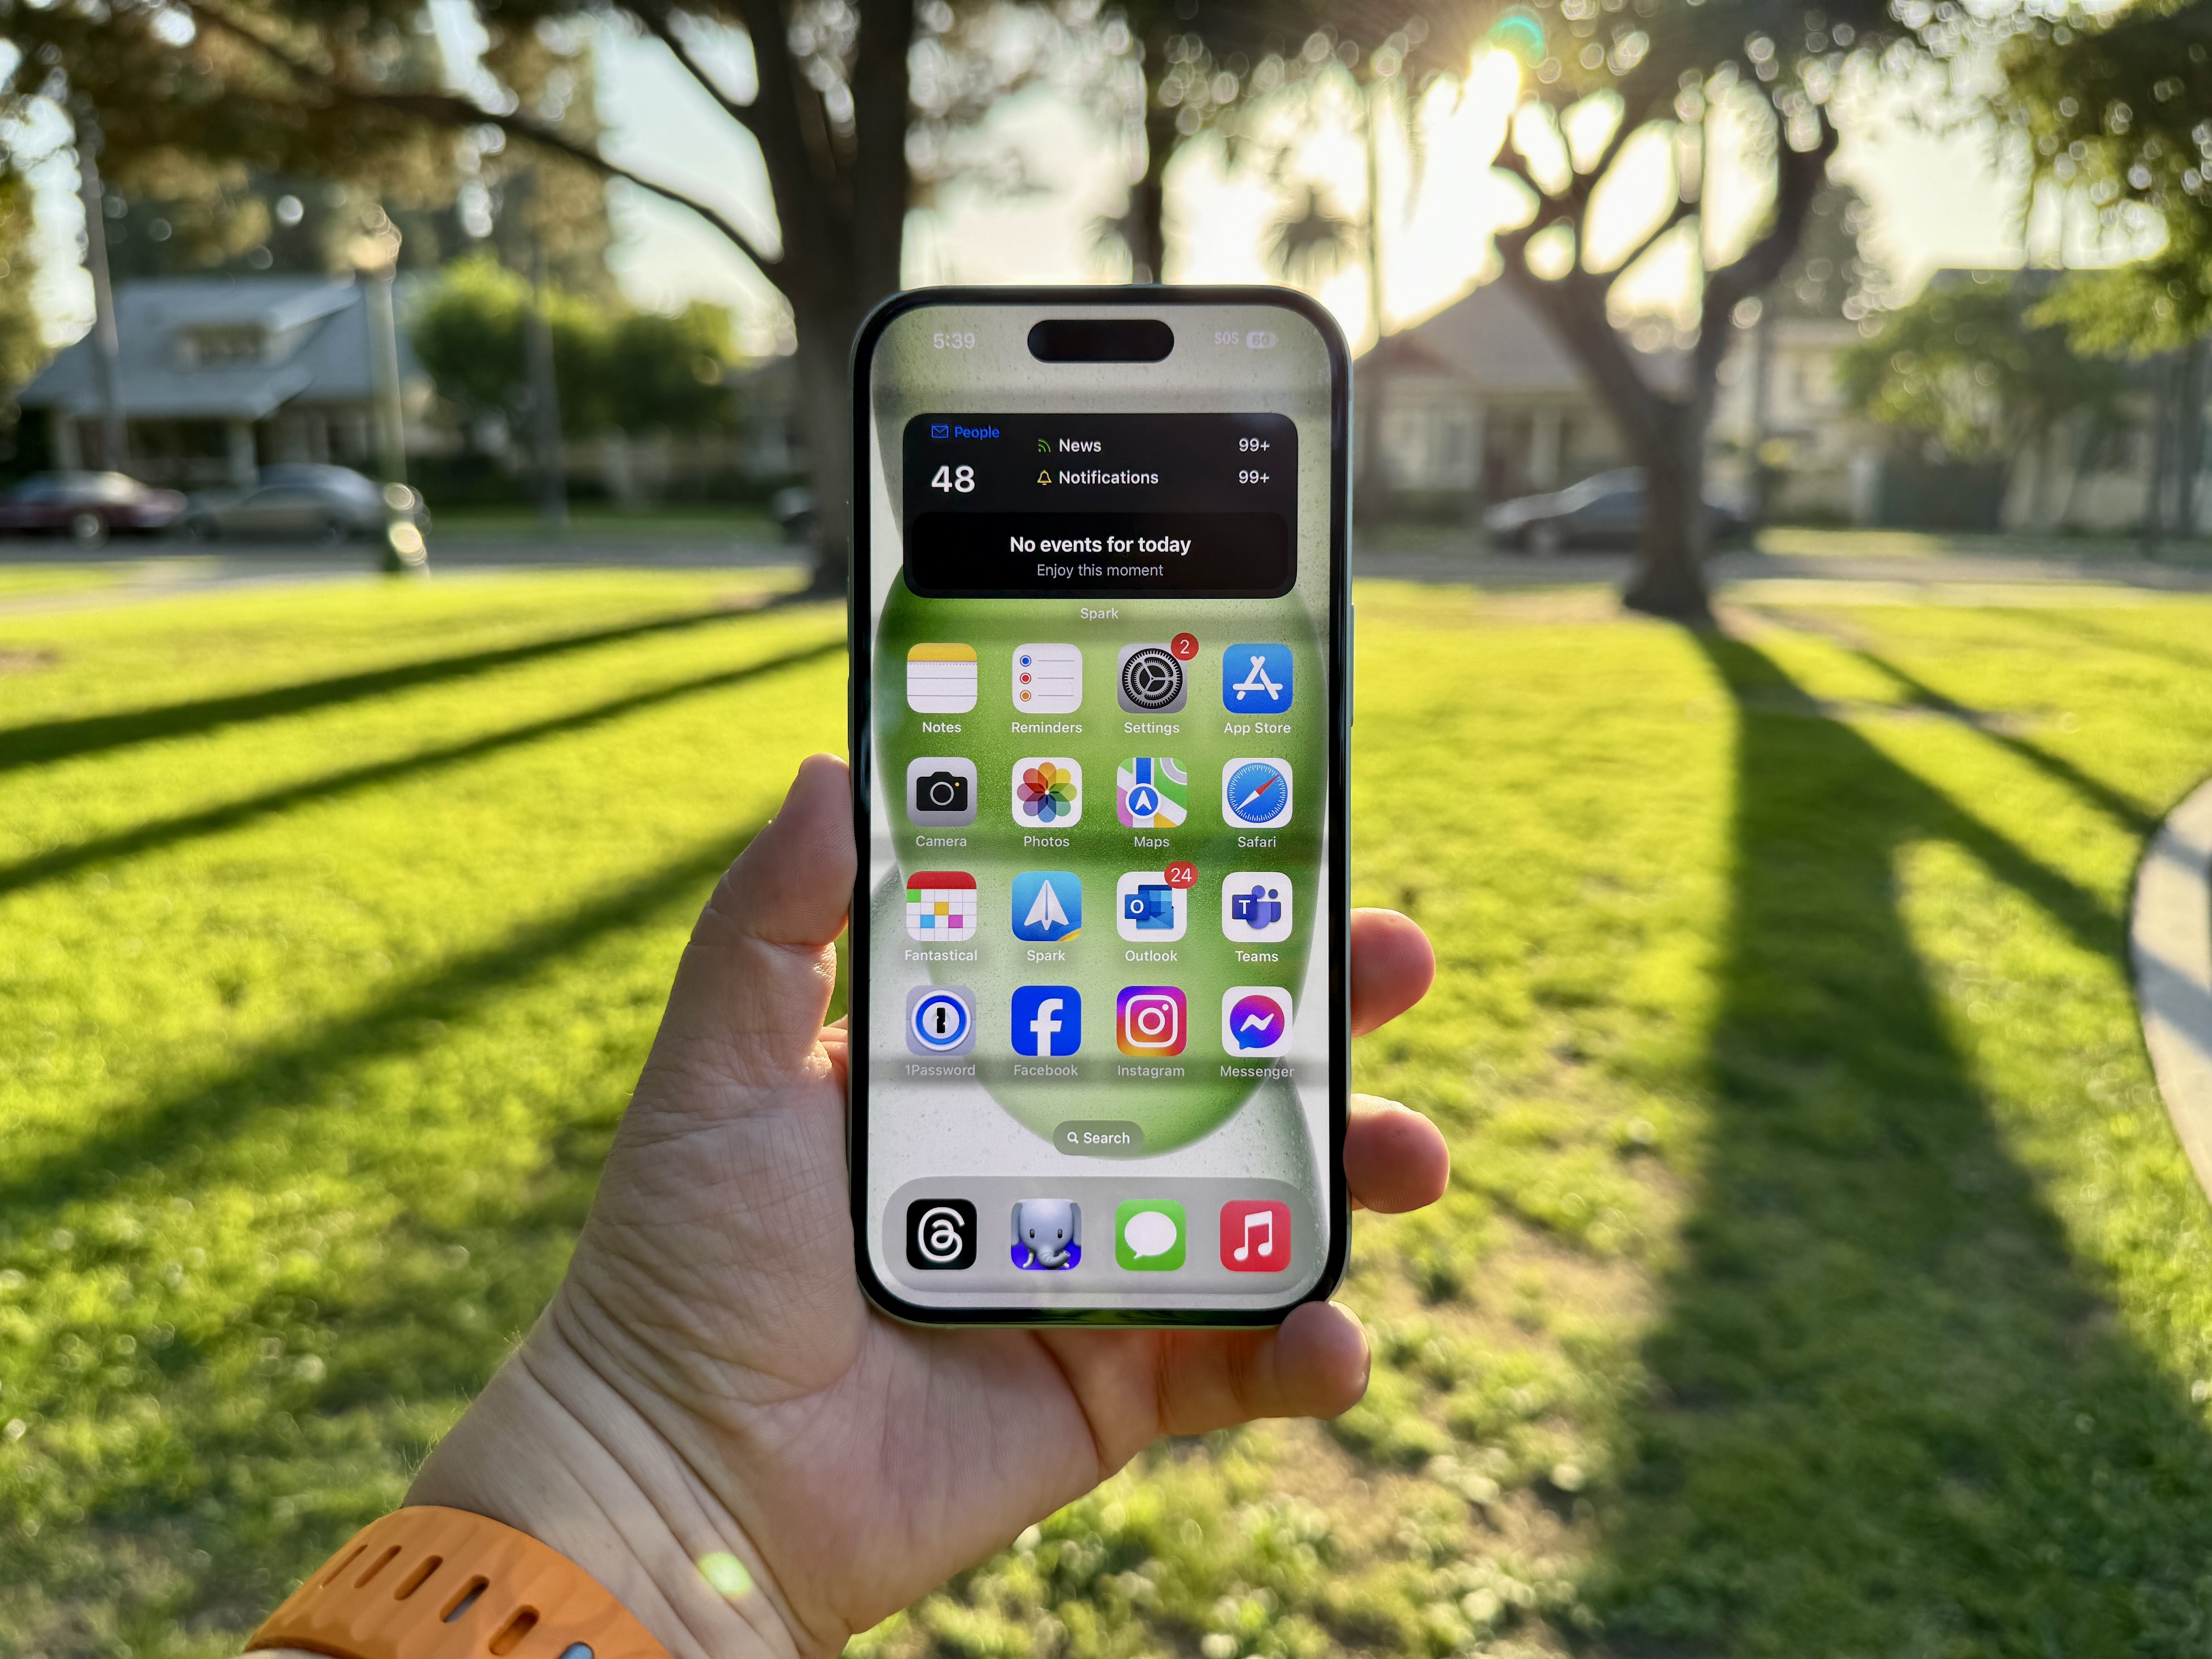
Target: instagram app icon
x: 1150, y: 1020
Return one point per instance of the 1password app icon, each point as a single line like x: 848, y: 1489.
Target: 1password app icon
x: 1149, y: 1235
x: 940, y: 1019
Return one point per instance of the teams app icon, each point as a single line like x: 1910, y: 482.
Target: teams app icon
x: 1256, y: 907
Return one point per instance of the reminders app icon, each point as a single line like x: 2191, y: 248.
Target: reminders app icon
x: 1048, y: 680
x: 1255, y: 906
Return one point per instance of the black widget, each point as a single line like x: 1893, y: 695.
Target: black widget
x: 940, y: 1234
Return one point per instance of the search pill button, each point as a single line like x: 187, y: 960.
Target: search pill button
x: 1099, y: 1137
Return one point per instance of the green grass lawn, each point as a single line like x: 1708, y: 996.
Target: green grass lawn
x: 1820, y: 1275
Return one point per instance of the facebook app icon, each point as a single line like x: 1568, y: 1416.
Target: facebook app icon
x: 1256, y: 679
x: 1047, y: 1020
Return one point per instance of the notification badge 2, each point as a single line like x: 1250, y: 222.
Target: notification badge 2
x: 1256, y: 1236
x: 940, y: 1234
x: 1151, y: 1020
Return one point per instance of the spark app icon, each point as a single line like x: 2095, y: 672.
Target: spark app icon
x: 1255, y: 1019
x: 1151, y: 792
x: 1047, y: 792
x: 1255, y: 794
x: 1148, y: 907
x: 1150, y: 1020
x: 1255, y: 906
x: 1256, y: 1236
x: 940, y: 1019
x: 1048, y: 906
x: 1256, y: 679
x: 1048, y: 680
x: 940, y: 906
x: 1047, y: 1020
x: 941, y: 679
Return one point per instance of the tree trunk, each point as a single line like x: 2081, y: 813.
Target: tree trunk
x: 1146, y: 227
x: 825, y: 424
x: 1670, y: 575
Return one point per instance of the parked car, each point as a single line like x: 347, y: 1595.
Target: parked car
x: 305, y: 504
x: 1606, y: 510
x: 86, y: 506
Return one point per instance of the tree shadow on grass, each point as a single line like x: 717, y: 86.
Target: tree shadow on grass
x: 1892, y: 1413
x: 91, y: 734
x: 232, y: 815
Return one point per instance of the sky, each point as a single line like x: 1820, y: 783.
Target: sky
x: 1938, y: 198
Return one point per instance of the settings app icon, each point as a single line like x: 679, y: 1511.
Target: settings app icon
x: 1151, y: 680
x: 940, y: 1234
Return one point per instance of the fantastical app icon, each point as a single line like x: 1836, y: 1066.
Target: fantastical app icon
x: 1256, y: 679
x: 1048, y: 680
x: 1048, y: 1021
x: 1150, y: 680
x: 1256, y: 907
x: 940, y: 1234
x: 1149, y: 906
x: 940, y: 906
x: 1150, y: 1019
x: 1048, y: 1234
x: 1255, y: 1020
x: 1047, y: 792
x: 1048, y: 906
x: 940, y: 1019
x: 1150, y: 791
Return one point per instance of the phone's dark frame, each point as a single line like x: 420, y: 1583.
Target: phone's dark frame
x: 1165, y: 301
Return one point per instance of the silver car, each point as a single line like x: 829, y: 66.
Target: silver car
x: 327, y: 504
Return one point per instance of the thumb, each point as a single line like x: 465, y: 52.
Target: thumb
x: 756, y: 976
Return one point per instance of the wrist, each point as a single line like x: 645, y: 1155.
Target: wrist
x: 552, y: 1449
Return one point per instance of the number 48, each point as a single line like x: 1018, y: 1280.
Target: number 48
x: 961, y: 478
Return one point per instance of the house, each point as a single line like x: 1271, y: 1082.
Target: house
x: 1480, y: 403
x: 223, y: 374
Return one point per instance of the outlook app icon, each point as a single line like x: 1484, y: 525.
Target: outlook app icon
x: 1256, y: 679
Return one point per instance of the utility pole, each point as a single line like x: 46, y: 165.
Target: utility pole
x: 106, y: 344
x: 384, y: 374
x: 1762, y: 406
x: 1372, y: 491
x: 2162, y: 450
x: 544, y: 396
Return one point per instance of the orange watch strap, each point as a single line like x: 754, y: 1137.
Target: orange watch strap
x: 436, y: 1583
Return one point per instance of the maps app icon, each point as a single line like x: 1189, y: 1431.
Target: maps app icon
x: 1256, y: 679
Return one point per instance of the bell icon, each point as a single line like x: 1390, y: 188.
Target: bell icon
x: 1043, y: 476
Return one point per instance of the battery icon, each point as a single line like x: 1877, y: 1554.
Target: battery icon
x: 1259, y: 340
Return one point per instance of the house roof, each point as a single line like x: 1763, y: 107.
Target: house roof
x: 316, y: 329
x: 1497, y: 341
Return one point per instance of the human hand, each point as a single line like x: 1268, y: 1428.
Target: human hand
x: 709, y: 1378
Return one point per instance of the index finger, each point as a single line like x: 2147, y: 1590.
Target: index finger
x: 1392, y: 966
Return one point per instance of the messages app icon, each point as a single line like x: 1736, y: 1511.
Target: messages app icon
x: 1150, y: 1236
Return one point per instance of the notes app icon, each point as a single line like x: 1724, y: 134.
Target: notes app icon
x: 1256, y: 1236
x: 941, y: 679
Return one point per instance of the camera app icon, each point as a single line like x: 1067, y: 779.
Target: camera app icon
x: 940, y: 789
x: 1150, y: 1019
x: 1146, y: 907
x: 1256, y: 907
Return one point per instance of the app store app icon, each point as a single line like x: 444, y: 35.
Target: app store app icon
x: 1256, y: 679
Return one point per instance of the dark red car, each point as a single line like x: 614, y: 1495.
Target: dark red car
x: 86, y: 506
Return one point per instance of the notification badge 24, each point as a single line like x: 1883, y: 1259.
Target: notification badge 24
x: 940, y: 1234
x: 941, y: 790
x: 1257, y: 907
x: 1257, y: 679
x: 940, y: 1019
x: 1148, y: 907
x: 1256, y: 1236
x: 1048, y: 906
x: 1256, y: 1021
x: 1048, y: 1234
x: 1255, y: 792
x: 1048, y: 680
x: 1150, y: 1235
x: 1151, y: 1020
x: 1047, y: 1021
x: 1047, y: 792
